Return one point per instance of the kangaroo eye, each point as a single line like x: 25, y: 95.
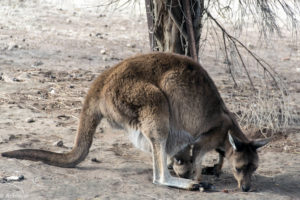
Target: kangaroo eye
x: 238, y: 169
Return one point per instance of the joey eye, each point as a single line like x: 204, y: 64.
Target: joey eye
x: 179, y: 161
x: 238, y: 169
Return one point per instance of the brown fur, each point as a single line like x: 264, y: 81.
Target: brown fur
x: 165, y: 101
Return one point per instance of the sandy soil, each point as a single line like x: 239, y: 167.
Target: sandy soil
x: 48, y: 58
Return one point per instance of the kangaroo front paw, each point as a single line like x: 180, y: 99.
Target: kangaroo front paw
x: 206, y: 186
x: 202, y: 186
x: 195, y: 187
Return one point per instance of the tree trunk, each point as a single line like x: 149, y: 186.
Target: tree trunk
x: 175, y: 25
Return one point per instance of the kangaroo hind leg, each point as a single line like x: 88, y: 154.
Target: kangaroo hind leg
x: 154, y: 124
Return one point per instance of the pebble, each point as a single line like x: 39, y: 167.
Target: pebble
x: 99, y: 35
x: 38, y: 63
x: 30, y: 120
x: 95, y: 160
x: 131, y: 45
x: 12, y: 46
x: 251, y: 46
x: 59, y: 143
x: 101, y: 130
x: 286, y: 59
x: 14, y: 178
x: 16, y: 80
x: 12, y: 137
x: 52, y: 91
x: 103, y: 51
x: 69, y: 21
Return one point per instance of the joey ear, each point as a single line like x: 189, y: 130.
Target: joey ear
x: 235, y: 143
x: 260, y: 143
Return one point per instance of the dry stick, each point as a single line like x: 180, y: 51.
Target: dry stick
x: 178, y: 24
x: 149, y: 12
x: 257, y: 58
x: 190, y: 30
x: 242, y: 60
x: 227, y: 58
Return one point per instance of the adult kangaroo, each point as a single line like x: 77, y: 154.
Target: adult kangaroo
x: 165, y: 102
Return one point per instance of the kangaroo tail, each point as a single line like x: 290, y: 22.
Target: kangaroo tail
x: 89, y: 119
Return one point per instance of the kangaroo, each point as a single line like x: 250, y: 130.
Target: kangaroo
x: 165, y: 102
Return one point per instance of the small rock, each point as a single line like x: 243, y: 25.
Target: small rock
x: 105, y: 58
x: 14, y: 178
x: 30, y: 120
x: 72, y: 86
x: 12, y: 46
x: 286, y: 59
x: 59, y: 143
x: 101, y: 15
x: 12, y: 137
x: 38, y: 63
x: 201, y: 189
x: 69, y: 21
x: 225, y: 191
x: 103, y: 51
x: 101, y: 130
x: 52, y: 91
x: 131, y: 45
x: 16, y: 80
x: 286, y: 148
x: 95, y: 160
x: 251, y: 46
x: 98, y: 35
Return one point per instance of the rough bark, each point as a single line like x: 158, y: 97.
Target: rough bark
x: 175, y: 25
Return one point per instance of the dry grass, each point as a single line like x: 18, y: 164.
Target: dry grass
x: 264, y: 110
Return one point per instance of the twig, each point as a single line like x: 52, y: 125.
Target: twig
x: 242, y: 60
x: 227, y: 60
x: 259, y: 60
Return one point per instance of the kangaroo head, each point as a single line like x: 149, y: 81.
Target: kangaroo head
x: 244, y: 160
x: 182, y: 164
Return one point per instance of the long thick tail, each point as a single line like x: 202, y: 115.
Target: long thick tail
x: 89, y: 119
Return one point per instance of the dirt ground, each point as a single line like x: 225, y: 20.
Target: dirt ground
x: 48, y: 58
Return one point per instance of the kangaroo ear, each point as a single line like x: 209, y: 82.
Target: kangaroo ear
x: 259, y: 143
x: 236, y: 144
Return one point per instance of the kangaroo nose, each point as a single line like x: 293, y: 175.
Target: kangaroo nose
x: 245, y: 188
